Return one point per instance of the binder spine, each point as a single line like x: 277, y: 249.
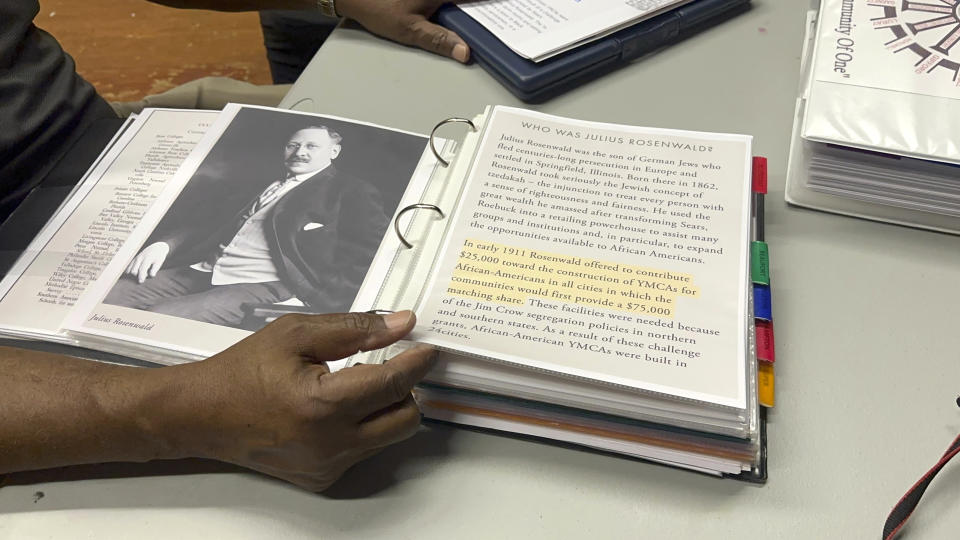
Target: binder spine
x: 443, y: 162
x: 419, y: 237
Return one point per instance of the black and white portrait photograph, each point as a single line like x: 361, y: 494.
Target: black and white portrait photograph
x: 284, y: 214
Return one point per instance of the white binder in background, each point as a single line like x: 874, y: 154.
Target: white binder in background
x: 854, y: 112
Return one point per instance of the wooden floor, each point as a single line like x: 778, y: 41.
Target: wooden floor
x: 132, y: 48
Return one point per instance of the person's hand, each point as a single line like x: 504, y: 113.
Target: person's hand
x: 271, y: 404
x: 406, y: 21
x: 148, y: 262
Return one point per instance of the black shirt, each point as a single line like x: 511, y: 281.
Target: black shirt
x: 44, y: 105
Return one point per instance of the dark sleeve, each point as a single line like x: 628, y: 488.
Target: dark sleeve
x: 45, y: 106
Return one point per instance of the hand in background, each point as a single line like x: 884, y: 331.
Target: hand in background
x: 406, y: 21
x: 271, y: 404
x: 148, y: 262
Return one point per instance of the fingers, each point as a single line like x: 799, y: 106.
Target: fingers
x: 154, y: 268
x: 143, y: 270
x: 367, y: 389
x: 321, y: 481
x: 437, y: 39
x: 390, y: 425
x: 134, y: 266
x: 325, y: 338
x: 345, y: 466
x: 369, y: 452
x: 406, y: 21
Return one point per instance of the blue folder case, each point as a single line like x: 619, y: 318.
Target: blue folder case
x: 534, y: 82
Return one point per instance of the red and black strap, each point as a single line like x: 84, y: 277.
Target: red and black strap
x: 904, y: 508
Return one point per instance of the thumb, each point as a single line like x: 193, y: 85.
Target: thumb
x: 325, y: 338
x: 435, y: 38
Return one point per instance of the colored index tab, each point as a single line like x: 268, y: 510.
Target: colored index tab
x: 759, y: 174
x: 762, y: 305
x: 765, y: 385
x: 759, y: 262
x: 764, y: 332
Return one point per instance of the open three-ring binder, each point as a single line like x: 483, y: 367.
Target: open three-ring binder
x: 593, y: 284
x: 533, y: 391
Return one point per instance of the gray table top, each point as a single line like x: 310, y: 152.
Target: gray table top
x: 867, y: 353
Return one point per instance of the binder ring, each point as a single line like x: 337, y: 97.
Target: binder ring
x: 417, y: 206
x: 454, y: 120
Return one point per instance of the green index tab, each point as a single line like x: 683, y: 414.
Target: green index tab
x: 759, y: 263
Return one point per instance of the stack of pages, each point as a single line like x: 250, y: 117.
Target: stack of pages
x: 588, y: 283
x: 873, y: 134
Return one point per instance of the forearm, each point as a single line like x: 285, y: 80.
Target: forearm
x: 239, y: 5
x: 57, y: 411
x: 268, y: 403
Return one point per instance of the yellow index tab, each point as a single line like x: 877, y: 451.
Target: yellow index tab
x: 765, y: 384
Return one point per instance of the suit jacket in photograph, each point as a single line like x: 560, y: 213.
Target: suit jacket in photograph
x: 322, y: 235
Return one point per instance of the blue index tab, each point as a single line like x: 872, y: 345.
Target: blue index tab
x: 762, y: 305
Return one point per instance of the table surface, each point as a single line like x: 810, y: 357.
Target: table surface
x: 867, y: 353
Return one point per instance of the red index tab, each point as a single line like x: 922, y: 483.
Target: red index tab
x: 765, y: 351
x: 759, y: 174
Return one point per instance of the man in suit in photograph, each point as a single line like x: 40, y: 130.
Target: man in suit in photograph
x: 310, y: 235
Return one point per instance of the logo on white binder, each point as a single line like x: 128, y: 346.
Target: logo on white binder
x: 929, y: 29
